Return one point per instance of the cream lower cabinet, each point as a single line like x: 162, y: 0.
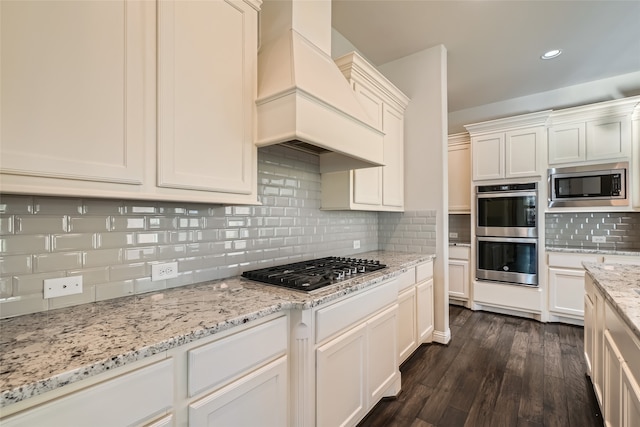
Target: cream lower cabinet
x: 128, y: 99
x: 612, y: 351
x: 377, y: 188
x: 459, y: 279
x: 136, y: 398
x: 415, y: 309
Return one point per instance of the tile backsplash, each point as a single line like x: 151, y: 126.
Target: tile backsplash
x: 621, y: 230
x: 461, y: 225
x: 113, y: 243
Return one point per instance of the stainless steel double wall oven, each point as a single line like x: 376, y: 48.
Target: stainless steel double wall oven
x: 507, y: 233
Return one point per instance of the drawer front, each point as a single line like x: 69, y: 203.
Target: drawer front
x: 347, y: 312
x: 621, y: 334
x: 213, y: 365
x: 571, y: 260
x: 424, y: 271
x: 459, y: 252
x: 131, y: 399
x: 406, y: 279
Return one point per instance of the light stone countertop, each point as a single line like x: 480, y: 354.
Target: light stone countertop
x: 617, y: 283
x: 44, y: 351
x: 627, y: 252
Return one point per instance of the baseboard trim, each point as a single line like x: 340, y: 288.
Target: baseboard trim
x: 442, y: 337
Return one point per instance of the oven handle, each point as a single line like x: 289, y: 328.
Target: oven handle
x: 514, y: 194
x: 508, y: 239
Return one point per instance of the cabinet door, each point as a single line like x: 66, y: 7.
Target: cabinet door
x: 382, y: 333
x: 206, y: 63
x: 407, y: 324
x: 630, y: 399
x: 73, y: 99
x: 258, y: 399
x: 612, y: 382
x: 567, y: 143
x: 460, y: 178
x: 458, y: 279
x: 589, y: 331
x: 488, y: 156
x: 393, y: 171
x: 340, y: 379
x: 608, y: 138
x: 566, y: 291
x: 425, y: 311
x: 522, y: 150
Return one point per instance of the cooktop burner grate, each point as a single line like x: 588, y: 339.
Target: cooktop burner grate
x: 314, y: 274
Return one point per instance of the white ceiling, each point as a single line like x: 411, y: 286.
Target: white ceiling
x: 493, y: 47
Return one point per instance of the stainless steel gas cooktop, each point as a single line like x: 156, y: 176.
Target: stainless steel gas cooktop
x: 314, y: 274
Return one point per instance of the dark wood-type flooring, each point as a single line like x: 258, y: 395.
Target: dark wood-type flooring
x: 496, y: 371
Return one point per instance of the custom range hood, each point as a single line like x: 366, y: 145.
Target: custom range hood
x: 303, y: 98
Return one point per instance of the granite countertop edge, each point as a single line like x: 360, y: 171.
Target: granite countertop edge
x: 616, y: 282
x: 228, y: 302
x: 626, y: 252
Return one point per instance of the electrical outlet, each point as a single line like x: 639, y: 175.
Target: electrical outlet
x: 63, y: 286
x: 453, y: 235
x: 168, y: 270
x: 356, y: 244
x: 599, y: 239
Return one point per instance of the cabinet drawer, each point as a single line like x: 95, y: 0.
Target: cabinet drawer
x: 406, y: 279
x: 131, y: 399
x: 424, y: 271
x: 571, y: 260
x: 628, y: 345
x: 459, y: 252
x: 214, y: 364
x: 344, y: 313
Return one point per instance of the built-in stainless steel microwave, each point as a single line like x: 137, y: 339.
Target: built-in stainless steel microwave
x: 593, y: 185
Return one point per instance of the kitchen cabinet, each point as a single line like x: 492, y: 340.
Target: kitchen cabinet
x: 376, y: 188
x: 459, y: 173
x: 125, y: 407
x: 591, y: 133
x: 513, y: 147
x: 415, y: 309
x: 137, y: 105
x: 356, y: 361
x: 459, y: 278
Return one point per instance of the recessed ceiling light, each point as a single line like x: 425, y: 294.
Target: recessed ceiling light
x: 551, y: 54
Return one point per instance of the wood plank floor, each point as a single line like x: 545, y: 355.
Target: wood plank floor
x: 496, y: 371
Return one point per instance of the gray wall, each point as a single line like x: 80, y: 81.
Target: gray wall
x: 113, y: 243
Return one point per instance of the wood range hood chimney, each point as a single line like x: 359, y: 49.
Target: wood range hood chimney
x: 303, y: 98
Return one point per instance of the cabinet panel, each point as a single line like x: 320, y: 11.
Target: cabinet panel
x: 125, y: 407
x: 72, y: 96
x: 522, y: 151
x: 608, y: 138
x: 367, y: 186
x: 258, y: 399
x: 424, y: 292
x: 630, y: 399
x: 383, y: 359
x: 567, y: 143
x: 488, y: 156
x: 393, y: 171
x: 340, y: 383
x: 205, y: 95
x: 407, y: 324
x: 612, y: 382
x: 458, y: 279
x: 589, y: 331
x: 566, y: 291
x: 460, y: 178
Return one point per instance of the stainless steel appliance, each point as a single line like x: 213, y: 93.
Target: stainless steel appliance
x: 312, y: 275
x: 586, y: 186
x: 507, y: 233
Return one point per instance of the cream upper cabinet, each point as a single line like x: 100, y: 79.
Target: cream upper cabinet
x: 591, y: 133
x: 130, y: 99
x: 377, y: 188
x: 509, y: 148
x: 73, y: 77
x: 459, y: 173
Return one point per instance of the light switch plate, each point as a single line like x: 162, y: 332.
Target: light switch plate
x: 453, y: 235
x: 356, y: 244
x: 62, y: 286
x: 599, y: 239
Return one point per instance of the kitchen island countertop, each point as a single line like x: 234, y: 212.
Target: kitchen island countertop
x: 617, y: 283
x: 44, y: 351
x: 574, y: 250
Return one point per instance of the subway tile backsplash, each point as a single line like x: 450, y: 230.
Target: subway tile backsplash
x: 621, y: 230
x: 113, y: 243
